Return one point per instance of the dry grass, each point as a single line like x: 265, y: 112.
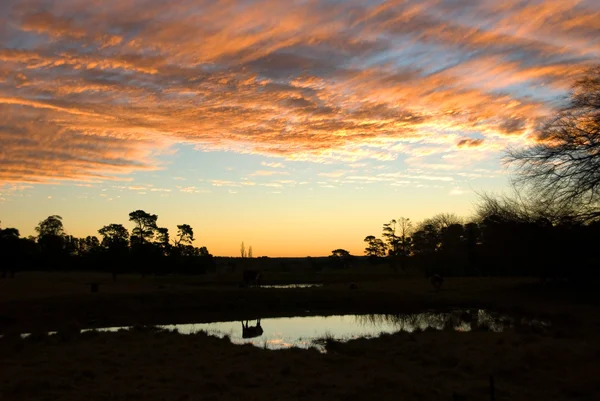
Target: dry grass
x: 559, y: 364
x: 423, y: 366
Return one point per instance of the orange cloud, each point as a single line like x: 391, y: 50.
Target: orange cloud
x: 95, y: 91
x: 469, y: 143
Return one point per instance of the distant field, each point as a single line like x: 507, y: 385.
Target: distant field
x: 52, y: 300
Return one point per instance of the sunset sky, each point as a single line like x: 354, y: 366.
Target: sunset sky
x: 297, y: 127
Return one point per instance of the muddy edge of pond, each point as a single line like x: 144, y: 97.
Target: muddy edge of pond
x: 219, y: 304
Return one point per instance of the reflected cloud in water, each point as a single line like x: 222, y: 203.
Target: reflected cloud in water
x: 290, y: 286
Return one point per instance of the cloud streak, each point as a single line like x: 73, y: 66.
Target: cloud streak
x: 95, y: 92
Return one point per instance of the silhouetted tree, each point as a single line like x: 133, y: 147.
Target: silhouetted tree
x: 375, y: 247
x: 389, y: 234
x: 340, y: 253
x: 54, y: 248
x: 472, y: 239
x: 341, y: 258
x: 250, y: 251
x: 52, y: 225
x: 426, y: 239
x: 115, y: 237
x: 115, y: 240
x: 52, y: 240
x: 404, y: 240
x: 185, y: 235
x: 203, y: 251
x: 563, y: 167
x: 243, y: 250
x: 145, y: 225
x: 441, y: 221
x: 89, y: 244
x: 9, y: 251
x: 162, y: 239
x: 451, y: 237
x: 72, y: 245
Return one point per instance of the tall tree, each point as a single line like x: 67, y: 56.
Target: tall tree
x: 397, y: 235
x: 404, y: 232
x: 52, y: 241
x: 563, y: 166
x: 9, y: 251
x: 375, y: 247
x: 145, y: 225
x: 52, y: 225
x: 441, y: 221
x: 90, y: 243
x: 114, y: 237
x: 162, y: 240
x: 426, y: 239
x: 389, y: 233
x: 243, y: 250
x: 185, y: 235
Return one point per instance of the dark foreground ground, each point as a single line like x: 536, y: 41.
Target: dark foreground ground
x: 558, y: 363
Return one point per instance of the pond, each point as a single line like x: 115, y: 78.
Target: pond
x: 310, y: 331
x: 290, y: 286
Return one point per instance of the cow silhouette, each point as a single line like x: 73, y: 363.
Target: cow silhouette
x: 251, y: 331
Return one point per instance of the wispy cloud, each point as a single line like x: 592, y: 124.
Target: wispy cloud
x: 225, y: 183
x: 457, y: 191
x: 192, y: 190
x: 272, y: 164
x: 92, y: 92
x: 267, y: 173
x: 334, y: 174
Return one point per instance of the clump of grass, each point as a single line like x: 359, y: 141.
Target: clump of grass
x: 327, y: 341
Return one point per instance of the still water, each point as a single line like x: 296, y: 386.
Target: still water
x: 290, y: 286
x: 309, y: 331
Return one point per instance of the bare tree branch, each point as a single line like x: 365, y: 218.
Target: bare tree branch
x: 563, y: 167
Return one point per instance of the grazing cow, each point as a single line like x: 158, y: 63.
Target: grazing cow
x: 251, y: 277
x: 251, y: 331
x: 436, y: 281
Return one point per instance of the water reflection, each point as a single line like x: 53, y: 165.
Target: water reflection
x: 457, y: 320
x: 306, y: 331
x: 251, y: 331
x: 290, y: 286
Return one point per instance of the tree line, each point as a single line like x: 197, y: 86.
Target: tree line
x: 504, y: 238
x: 148, y: 249
x: 549, y: 226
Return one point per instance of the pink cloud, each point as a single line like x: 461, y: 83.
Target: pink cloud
x: 100, y: 90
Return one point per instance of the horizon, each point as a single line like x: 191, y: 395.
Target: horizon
x: 296, y: 128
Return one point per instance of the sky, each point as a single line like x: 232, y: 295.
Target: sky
x: 298, y: 127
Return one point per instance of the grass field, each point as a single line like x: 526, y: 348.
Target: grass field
x: 554, y: 364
